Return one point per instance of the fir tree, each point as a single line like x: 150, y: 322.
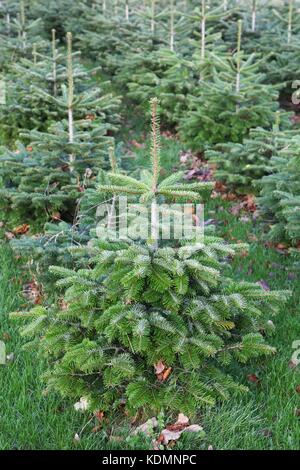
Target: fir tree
x: 151, y: 326
x: 18, y: 33
x: 30, y: 78
x: 63, y: 161
x: 280, y: 194
x: 241, y: 166
x: 284, y: 45
x: 172, y: 71
x: 226, y: 107
x: 110, y: 39
x: 61, y: 243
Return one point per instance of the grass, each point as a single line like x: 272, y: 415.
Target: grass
x: 265, y: 417
x: 262, y: 419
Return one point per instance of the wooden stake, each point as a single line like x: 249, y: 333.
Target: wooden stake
x: 253, y: 16
x: 153, y: 17
x: 172, y: 26
x: 34, y: 54
x: 203, y: 32
x: 127, y: 10
x: 8, y: 22
x: 54, y: 65
x: 238, y: 58
x: 290, y: 18
x: 70, y: 97
x: 23, y: 21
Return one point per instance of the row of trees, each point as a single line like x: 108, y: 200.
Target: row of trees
x: 143, y: 323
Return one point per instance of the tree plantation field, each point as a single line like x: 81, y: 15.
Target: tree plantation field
x: 149, y: 225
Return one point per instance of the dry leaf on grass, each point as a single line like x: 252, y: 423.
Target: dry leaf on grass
x: 147, y: 427
x: 136, y: 144
x: 264, y: 285
x: 33, y: 292
x: 76, y: 439
x: 9, y: 235
x: 82, y: 404
x: 56, y: 216
x: 174, y: 431
x: 292, y: 364
x: 171, y: 433
x: 10, y: 358
x: 266, y: 432
x: 253, y: 379
x: 21, y: 229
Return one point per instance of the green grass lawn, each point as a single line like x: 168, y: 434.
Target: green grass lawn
x: 262, y: 419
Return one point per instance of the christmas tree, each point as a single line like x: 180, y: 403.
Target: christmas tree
x: 151, y: 325
x: 232, y: 102
x: 30, y: 78
x: 18, y: 32
x: 63, y: 243
x: 241, y: 166
x: 280, y: 194
x: 172, y: 71
x: 63, y: 161
x: 283, y: 42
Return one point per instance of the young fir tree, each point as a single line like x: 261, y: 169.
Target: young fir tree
x: 241, y: 166
x: 273, y: 30
x: 29, y: 80
x: 62, y: 15
x: 151, y: 326
x: 62, y: 162
x: 206, y: 21
x: 61, y: 243
x: 280, y: 194
x: 283, y: 46
x: 109, y: 34
x: 17, y: 33
x: 259, y: 22
x: 232, y: 102
x: 172, y: 71
x: 162, y: 73
x: 99, y: 37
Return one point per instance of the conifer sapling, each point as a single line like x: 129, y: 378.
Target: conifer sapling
x: 149, y: 325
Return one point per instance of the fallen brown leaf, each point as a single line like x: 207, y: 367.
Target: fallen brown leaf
x: 56, y: 216
x: 147, y: 427
x: 266, y: 432
x: 292, y: 364
x: 33, y: 292
x: 21, y: 229
x: 99, y: 415
x: 6, y: 337
x: 174, y: 431
x: 9, y: 235
x: 162, y: 371
x: 253, y: 379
